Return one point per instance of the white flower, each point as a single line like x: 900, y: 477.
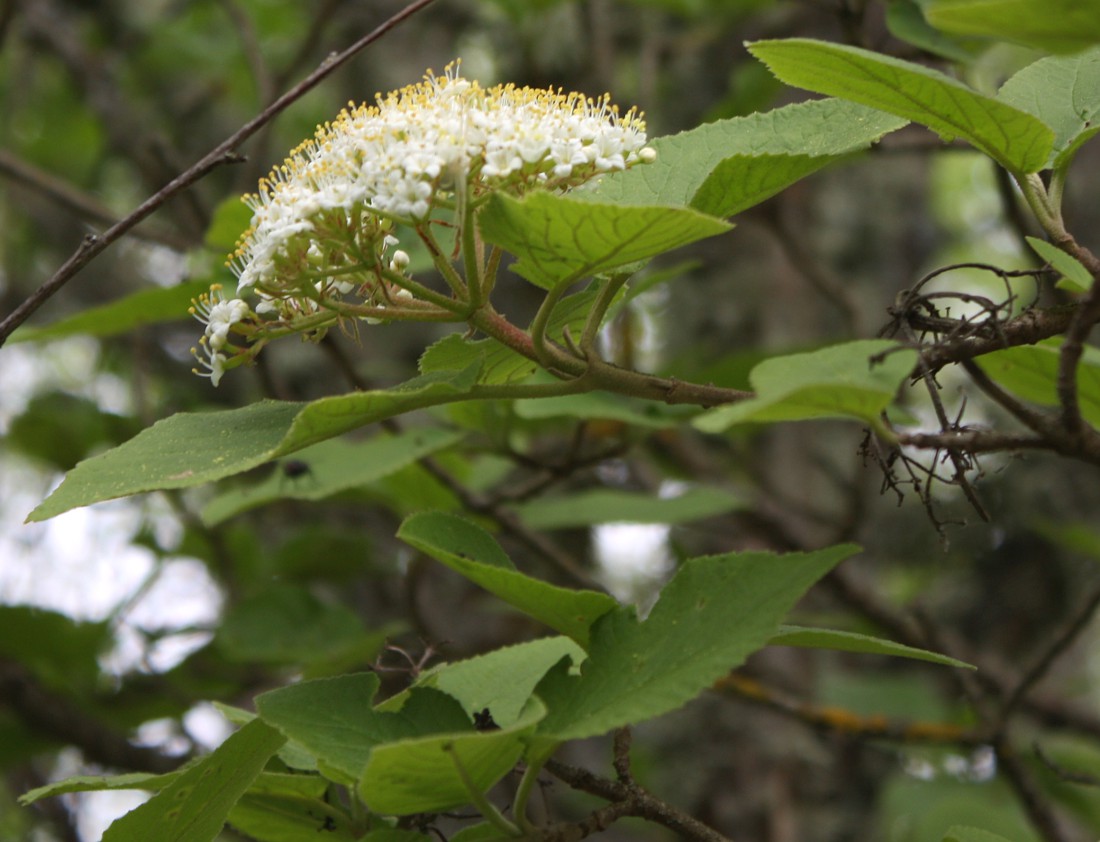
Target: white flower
x: 219, y: 315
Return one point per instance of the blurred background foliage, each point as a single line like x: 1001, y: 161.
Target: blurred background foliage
x: 118, y: 622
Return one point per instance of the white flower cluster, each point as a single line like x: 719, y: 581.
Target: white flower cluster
x: 324, y: 221
x: 392, y: 161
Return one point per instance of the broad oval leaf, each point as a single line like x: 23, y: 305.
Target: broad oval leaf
x: 192, y: 448
x: 472, y: 552
x: 502, y: 681
x: 714, y: 613
x: 335, y: 719
x: 838, y: 381
x: 1060, y: 26
x: 1018, y: 141
x: 764, y: 150
x: 196, y: 804
x: 1063, y: 92
x: 422, y: 775
x: 559, y: 240
x: 1031, y: 372
x: 331, y: 467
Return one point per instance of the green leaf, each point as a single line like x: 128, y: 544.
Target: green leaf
x: 905, y: 20
x: 560, y: 240
x: 288, y: 625
x: 612, y: 506
x: 333, y: 466
x: 334, y: 719
x: 231, y: 217
x: 843, y: 641
x: 192, y: 448
x: 145, y: 307
x: 742, y: 181
x: 194, y: 807
x: 791, y: 139
x: 422, y: 775
x: 1074, y: 275
x: 471, y: 551
x: 837, y: 381
x: 959, y: 833
x: 606, y: 406
x: 281, y: 807
x: 99, y: 783
x: 502, y: 680
x: 1013, y: 138
x: 1063, y: 92
x: 60, y: 651
x: 1031, y: 372
x: 1059, y: 26
x: 715, y: 612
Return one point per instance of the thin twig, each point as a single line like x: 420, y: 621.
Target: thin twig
x: 223, y: 153
x: 636, y: 802
x: 1059, y: 645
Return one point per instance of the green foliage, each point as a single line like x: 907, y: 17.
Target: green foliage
x: 1063, y: 92
x: 469, y: 550
x: 195, y: 448
x: 843, y: 380
x: 712, y: 614
x: 724, y: 167
x: 558, y: 241
x: 1013, y: 138
x: 195, y: 805
x: 1031, y: 373
x: 531, y: 427
x: 1061, y: 26
x: 145, y: 307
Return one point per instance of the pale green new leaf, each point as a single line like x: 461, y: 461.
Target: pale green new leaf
x: 335, y: 720
x: 713, y: 614
x: 194, y: 806
x: 334, y: 466
x: 764, y: 149
x: 1060, y: 26
x: 1031, y: 372
x: 145, y: 307
x: 192, y: 448
x: 502, y: 680
x: 837, y: 381
x: 844, y: 641
x: 587, y: 508
x: 1063, y: 92
x: 472, y: 552
x: 422, y: 775
x: 1015, y: 139
x: 559, y: 240
x: 1074, y: 275
x: 960, y: 833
